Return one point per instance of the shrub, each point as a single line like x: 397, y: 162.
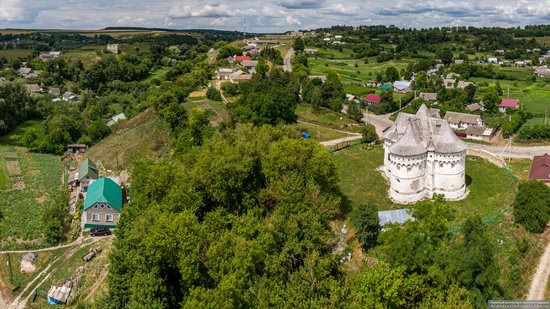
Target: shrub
x: 532, y: 206
x: 213, y: 94
x: 365, y: 219
x: 369, y: 134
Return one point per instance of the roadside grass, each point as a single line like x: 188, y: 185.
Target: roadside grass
x: 490, y: 188
x: 145, y: 136
x: 318, y: 133
x: 326, y: 117
x: 15, y: 53
x: 21, y: 226
x: 520, y: 168
x: 14, y: 137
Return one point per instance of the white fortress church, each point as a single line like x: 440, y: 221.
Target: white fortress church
x: 423, y: 157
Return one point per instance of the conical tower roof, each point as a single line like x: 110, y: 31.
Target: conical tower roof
x: 445, y: 139
x: 409, y: 144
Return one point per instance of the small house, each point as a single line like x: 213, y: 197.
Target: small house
x: 69, y: 96
x: 475, y: 132
x: 113, y: 49
x: 428, y: 96
x: 223, y: 73
x: 463, y: 121
x: 322, y: 78
x: 474, y: 107
x: 239, y: 76
x: 25, y: 72
x: 386, y: 87
x: 54, y: 91
x: 507, y: 104
x: 34, y: 89
x: 250, y: 65
x: 310, y: 51
x: 87, y: 172
x: 492, y: 60
x: 115, y: 119
x: 103, y: 204
x: 77, y: 148
x: 372, y: 98
x: 402, y: 86
x: 540, y: 168
x: 241, y: 58
x: 463, y: 84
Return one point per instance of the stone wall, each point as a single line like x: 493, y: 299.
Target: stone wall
x: 489, y: 156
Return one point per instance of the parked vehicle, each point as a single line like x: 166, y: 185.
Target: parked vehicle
x: 100, y: 231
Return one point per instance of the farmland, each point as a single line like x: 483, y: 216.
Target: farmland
x: 28, y: 180
x: 15, y: 53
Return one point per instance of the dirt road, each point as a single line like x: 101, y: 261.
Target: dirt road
x: 288, y: 60
x: 540, y: 279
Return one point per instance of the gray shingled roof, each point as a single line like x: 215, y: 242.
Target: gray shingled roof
x: 454, y: 117
x: 423, y: 128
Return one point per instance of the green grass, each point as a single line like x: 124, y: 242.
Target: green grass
x: 15, y: 53
x: 14, y: 137
x: 217, y: 112
x: 520, y: 168
x: 158, y: 74
x: 88, y: 55
x: 325, y: 117
x: 145, y: 136
x: 22, y: 209
x: 533, y: 96
x: 318, y: 133
x: 490, y: 188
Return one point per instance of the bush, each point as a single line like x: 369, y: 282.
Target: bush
x: 213, y: 94
x: 532, y: 206
x: 354, y: 111
x: 369, y: 134
x: 230, y: 88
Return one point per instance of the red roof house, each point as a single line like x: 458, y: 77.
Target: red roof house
x: 373, y: 98
x: 508, y: 103
x: 242, y: 58
x: 540, y: 168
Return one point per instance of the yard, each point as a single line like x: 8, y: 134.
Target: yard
x: 28, y: 179
x: 325, y: 117
x: 490, y: 188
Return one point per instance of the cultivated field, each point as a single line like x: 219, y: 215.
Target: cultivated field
x: 26, y: 182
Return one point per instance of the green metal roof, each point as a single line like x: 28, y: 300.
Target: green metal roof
x: 386, y: 87
x: 87, y: 168
x: 104, y: 190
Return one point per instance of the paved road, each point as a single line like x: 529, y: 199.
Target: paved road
x: 288, y: 60
x: 540, y: 279
x: 380, y: 122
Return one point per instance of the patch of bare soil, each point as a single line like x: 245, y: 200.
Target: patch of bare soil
x: 27, y: 267
x: 41, y: 199
x: 10, y: 155
x: 13, y: 168
x: 198, y: 93
x: 18, y: 184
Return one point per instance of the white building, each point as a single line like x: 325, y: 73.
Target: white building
x: 423, y: 157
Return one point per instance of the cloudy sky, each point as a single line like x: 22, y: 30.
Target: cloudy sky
x: 268, y: 15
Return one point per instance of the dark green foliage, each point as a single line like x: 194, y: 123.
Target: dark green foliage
x: 228, y: 51
x: 16, y: 106
x: 534, y: 132
x: 243, y: 222
x: 272, y: 54
x: 513, y: 124
x: 392, y: 74
x: 369, y: 134
x: 298, y: 44
x: 365, y: 220
x: 230, y: 88
x: 445, y: 55
x: 213, y: 94
x: 532, y: 206
x: 354, y: 111
x: 53, y: 216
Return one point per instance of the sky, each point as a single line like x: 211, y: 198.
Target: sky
x: 268, y: 15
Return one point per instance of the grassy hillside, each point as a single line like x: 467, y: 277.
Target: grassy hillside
x: 142, y: 137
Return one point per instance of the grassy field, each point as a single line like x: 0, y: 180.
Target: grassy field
x: 15, y: 53
x: 490, y: 188
x: 14, y: 137
x: 520, y: 168
x: 325, y: 117
x: 88, y: 55
x: 27, y: 188
x: 217, y: 111
x: 318, y: 133
x: 142, y: 137
x: 533, y: 96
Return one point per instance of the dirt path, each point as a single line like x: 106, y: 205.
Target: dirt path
x: 540, y: 279
x: 81, y: 240
x: 287, y: 67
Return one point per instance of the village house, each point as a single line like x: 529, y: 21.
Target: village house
x: 463, y: 84
x: 540, y: 169
x: 250, y: 65
x: 499, y: 52
x: 507, y: 104
x: 463, y: 121
x: 402, y: 86
x: 475, y: 132
x: 459, y: 61
x: 34, y: 89
x: 28, y: 72
x: 372, y: 98
x: 116, y: 118
x: 449, y: 83
x: 542, y: 71
x: 54, y: 91
x: 103, y: 204
x: 492, y: 60
x: 428, y: 96
x: 474, y: 107
x: 87, y: 172
x: 77, y: 148
x: 310, y: 51
x: 223, y: 73
x: 69, y: 96
x: 240, y: 59
x: 239, y: 76
x: 50, y: 55
x: 113, y: 49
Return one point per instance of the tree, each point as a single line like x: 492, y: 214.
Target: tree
x: 532, y: 206
x: 53, y: 216
x: 369, y: 134
x: 298, y: 44
x: 262, y: 68
x: 445, y: 55
x: 365, y: 220
x: 392, y: 74
x: 354, y: 111
x: 213, y: 94
x: 421, y: 81
x: 490, y: 100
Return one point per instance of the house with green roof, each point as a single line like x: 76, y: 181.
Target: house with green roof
x: 86, y: 173
x: 103, y: 204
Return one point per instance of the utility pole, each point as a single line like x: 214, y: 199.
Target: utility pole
x: 508, y: 91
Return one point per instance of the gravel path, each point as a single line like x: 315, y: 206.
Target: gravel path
x: 540, y: 279
x: 288, y: 60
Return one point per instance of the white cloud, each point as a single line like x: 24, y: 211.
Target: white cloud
x: 293, y: 21
x: 12, y: 10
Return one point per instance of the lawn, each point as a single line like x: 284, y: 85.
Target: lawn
x: 15, y: 53
x: 490, y: 188
x: 14, y: 137
x: 318, y: 133
x: 158, y: 74
x: 325, y: 117
x: 28, y: 188
x: 88, y: 55
x: 520, y: 168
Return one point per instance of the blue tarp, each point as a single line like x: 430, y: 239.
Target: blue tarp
x: 306, y: 135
